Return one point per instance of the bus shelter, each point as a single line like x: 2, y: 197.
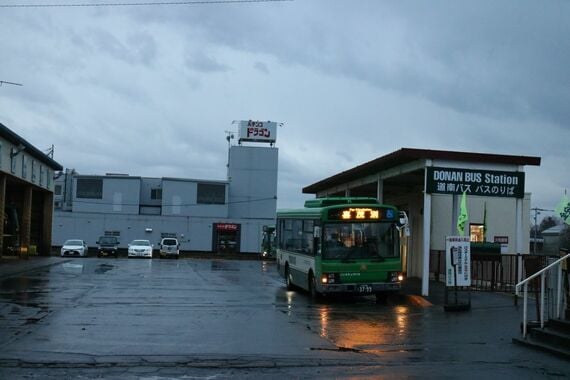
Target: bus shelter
x: 428, y: 185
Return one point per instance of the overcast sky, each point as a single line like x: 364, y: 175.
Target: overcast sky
x: 151, y: 90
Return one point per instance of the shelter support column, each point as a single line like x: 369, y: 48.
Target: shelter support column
x: 26, y: 217
x: 2, y: 210
x: 518, y: 237
x: 426, y: 234
x: 519, y: 233
x: 47, y: 224
x: 380, y: 190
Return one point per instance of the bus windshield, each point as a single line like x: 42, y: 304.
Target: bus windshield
x: 349, y: 241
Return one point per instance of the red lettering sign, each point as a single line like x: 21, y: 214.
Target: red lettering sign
x: 256, y: 131
x: 226, y: 227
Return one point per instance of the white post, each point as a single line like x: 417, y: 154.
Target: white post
x: 525, y: 307
x: 426, y: 234
x: 454, y: 214
x: 559, y: 290
x: 542, y: 278
x: 518, y: 236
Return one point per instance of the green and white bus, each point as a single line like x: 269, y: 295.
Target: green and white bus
x: 341, y: 245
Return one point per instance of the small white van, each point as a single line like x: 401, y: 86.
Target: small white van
x: 169, y: 247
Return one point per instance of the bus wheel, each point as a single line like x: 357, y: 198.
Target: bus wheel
x: 381, y: 297
x: 288, y: 278
x: 313, y: 286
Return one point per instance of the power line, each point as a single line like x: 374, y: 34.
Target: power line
x: 139, y: 4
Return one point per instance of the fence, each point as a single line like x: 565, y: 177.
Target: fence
x: 494, y: 272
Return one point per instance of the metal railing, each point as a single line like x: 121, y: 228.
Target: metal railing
x: 495, y: 273
x: 542, y: 273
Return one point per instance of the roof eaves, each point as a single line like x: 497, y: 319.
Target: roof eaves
x: 15, y: 139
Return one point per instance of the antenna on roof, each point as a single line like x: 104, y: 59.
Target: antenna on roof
x: 49, y: 151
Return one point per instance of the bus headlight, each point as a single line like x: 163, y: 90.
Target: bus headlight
x: 329, y: 278
x: 395, y: 276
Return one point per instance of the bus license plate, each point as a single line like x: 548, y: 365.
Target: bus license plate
x: 364, y: 289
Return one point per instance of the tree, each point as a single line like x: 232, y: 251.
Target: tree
x: 549, y: 221
x: 565, y: 238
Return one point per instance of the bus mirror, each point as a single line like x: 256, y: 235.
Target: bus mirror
x: 317, y: 232
x: 403, y: 219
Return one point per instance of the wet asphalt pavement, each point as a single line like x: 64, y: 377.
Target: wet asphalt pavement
x: 205, y: 318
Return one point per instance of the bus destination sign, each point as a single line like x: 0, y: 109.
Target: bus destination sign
x: 361, y: 213
x: 488, y: 183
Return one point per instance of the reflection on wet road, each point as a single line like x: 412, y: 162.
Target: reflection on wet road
x: 355, y: 324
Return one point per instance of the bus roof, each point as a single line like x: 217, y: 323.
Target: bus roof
x: 318, y: 208
x: 333, y: 201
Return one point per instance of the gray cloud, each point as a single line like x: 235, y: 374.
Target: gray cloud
x: 506, y: 60
x: 261, y: 67
x: 351, y: 80
x: 203, y: 63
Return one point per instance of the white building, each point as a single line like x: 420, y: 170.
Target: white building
x: 205, y: 215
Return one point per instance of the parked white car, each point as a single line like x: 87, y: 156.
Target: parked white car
x: 74, y: 247
x: 140, y: 248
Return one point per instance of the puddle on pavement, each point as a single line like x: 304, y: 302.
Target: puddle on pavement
x: 73, y: 268
x: 224, y: 266
x: 104, y: 268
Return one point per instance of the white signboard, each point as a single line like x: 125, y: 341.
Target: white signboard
x: 257, y: 131
x: 457, y: 261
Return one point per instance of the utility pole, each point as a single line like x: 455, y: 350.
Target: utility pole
x: 535, y: 228
x: 229, y: 137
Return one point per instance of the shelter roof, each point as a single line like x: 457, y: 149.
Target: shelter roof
x: 405, y: 155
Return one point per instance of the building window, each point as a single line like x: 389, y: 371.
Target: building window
x: 211, y: 194
x: 48, y: 178
x: 156, y: 194
x: 113, y: 233
x: 33, y: 171
x: 13, y: 161
x: 91, y: 188
x: 42, y: 175
x: 476, y: 231
x: 24, y: 167
x: 57, y: 190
